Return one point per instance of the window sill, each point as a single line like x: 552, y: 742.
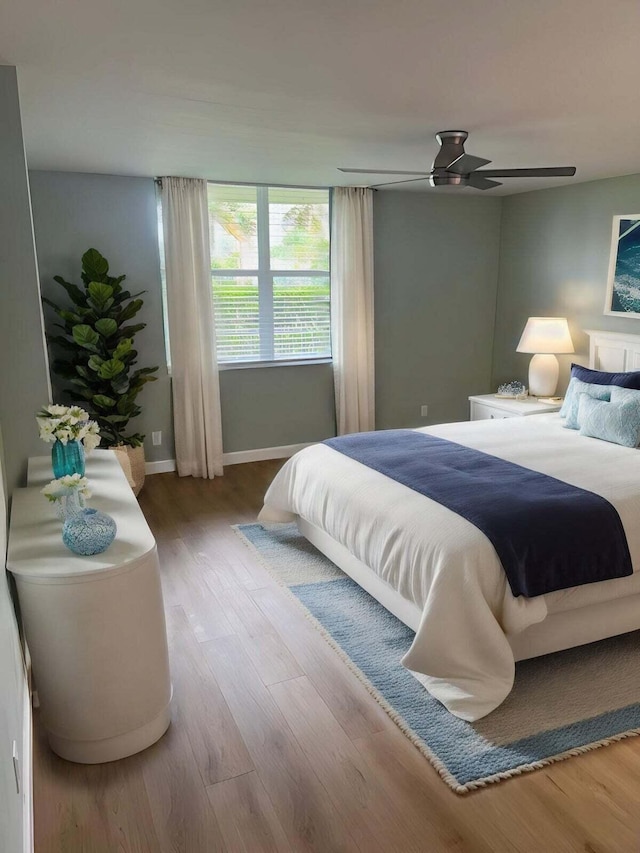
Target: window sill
x: 252, y: 365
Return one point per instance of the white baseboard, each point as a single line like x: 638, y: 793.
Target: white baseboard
x: 236, y: 458
x: 164, y: 466
x: 262, y: 453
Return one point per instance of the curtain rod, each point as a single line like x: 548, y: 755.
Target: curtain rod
x: 258, y: 184
x: 277, y: 186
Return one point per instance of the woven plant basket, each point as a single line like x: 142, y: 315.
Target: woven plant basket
x: 133, y: 463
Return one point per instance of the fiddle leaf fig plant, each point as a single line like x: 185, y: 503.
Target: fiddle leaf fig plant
x: 96, y: 352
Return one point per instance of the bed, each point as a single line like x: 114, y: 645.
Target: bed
x: 440, y: 574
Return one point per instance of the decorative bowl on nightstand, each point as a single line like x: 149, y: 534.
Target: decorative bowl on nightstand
x: 515, y: 390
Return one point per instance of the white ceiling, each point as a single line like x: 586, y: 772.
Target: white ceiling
x: 284, y: 91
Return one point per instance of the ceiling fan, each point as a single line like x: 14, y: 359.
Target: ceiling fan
x: 453, y: 167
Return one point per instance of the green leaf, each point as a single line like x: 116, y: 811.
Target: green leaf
x: 110, y: 369
x: 82, y: 371
x: 70, y: 317
x: 120, y: 384
x: 127, y: 407
x: 115, y: 419
x: 124, y: 295
x: 78, y: 380
x: 95, y: 362
x: 99, y: 292
x: 116, y: 284
x: 94, y: 264
x: 51, y: 304
x: 85, y: 336
x: 130, y: 331
x: 75, y: 294
x: 123, y: 348
x: 103, y: 402
x: 61, y: 341
x: 106, y: 326
x: 142, y: 380
x: 130, y: 310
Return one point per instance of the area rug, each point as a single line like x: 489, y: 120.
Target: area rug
x: 562, y: 705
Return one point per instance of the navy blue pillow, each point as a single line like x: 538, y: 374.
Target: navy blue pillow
x: 630, y: 379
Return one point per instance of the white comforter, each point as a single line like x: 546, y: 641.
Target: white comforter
x: 443, y: 563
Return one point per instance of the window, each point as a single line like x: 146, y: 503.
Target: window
x: 270, y: 273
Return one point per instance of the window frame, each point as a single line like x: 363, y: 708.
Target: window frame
x: 265, y: 276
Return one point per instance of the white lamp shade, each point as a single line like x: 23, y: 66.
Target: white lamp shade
x: 546, y: 335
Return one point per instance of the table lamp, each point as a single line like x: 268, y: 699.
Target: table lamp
x: 545, y: 336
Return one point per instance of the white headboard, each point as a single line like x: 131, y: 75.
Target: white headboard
x: 614, y: 352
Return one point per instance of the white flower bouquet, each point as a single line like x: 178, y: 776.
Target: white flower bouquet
x: 68, y: 423
x: 63, y: 487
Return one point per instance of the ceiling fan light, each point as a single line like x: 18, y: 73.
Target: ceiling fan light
x: 448, y: 180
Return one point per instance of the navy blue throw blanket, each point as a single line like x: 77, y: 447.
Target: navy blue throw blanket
x: 548, y: 535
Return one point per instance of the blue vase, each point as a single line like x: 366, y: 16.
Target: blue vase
x: 88, y: 532
x: 67, y: 458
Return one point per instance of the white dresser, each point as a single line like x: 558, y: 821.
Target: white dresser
x: 488, y: 406
x: 94, y: 625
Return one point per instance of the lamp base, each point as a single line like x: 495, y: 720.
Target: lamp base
x: 543, y: 375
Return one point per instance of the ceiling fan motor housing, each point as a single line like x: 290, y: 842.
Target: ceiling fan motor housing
x: 451, y: 148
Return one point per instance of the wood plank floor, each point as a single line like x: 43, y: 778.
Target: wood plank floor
x: 275, y: 746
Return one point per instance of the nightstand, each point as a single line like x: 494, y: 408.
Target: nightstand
x: 488, y: 406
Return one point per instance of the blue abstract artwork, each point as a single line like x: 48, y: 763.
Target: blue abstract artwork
x: 623, y: 292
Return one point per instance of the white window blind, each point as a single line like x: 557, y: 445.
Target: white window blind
x: 270, y: 273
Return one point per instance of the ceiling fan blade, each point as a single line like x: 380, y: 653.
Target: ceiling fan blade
x: 479, y: 182
x: 381, y: 172
x: 466, y: 163
x: 551, y: 172
x: 391, y: 183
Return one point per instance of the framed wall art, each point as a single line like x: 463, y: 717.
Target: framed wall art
x: 623, y: 285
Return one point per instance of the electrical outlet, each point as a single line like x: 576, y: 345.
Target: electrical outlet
x: 156, y: 438
x: 424, y: 411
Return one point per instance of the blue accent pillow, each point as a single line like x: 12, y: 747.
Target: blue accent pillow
x: 630, y: 379
x: 621, y: 395
x: 617, y: 422
x: 572, y: 401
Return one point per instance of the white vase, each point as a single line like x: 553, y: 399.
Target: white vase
x: 69, y: 505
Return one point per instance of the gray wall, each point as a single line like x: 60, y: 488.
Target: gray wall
x: 436, y: 269
x: 274, y: 406
x: 262, y: 407
x: 554, y: 260
x: 24, y: 372
x: 73, y: 212
x: 436, y: 263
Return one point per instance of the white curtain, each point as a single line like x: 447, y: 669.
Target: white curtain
x: 352, y: 308
x: 194, y: 368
